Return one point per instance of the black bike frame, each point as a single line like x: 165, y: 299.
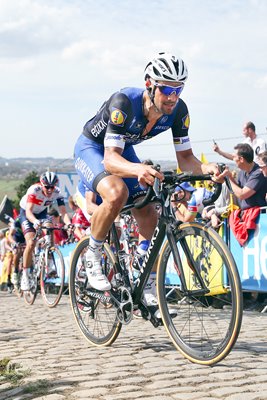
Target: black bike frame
x: 165, y: 227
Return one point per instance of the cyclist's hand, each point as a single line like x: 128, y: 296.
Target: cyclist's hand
x: 213, y: 169
x: 36, y: 224
x: 147, y: 175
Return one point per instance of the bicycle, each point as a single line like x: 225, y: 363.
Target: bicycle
x: 197, y: 276
x: 48, y: 269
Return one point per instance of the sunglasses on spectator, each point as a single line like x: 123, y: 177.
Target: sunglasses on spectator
x: 169, y: 90
x: 49, y: 187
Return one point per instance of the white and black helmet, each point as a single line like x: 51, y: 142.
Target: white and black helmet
x: 49, y: 179
x: 166, y: 67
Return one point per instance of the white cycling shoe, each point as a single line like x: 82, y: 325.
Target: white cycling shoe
x: 152, y: 301
x: 25, y: 283
x: 96, y: 279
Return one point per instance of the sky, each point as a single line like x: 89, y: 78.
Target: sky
x: 61, y: 59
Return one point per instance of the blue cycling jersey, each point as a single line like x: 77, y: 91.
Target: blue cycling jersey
x: 121, y: 121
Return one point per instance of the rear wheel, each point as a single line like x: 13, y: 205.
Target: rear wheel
x: 52, y: 277
x: 206, y: 325
x: 93, y: 311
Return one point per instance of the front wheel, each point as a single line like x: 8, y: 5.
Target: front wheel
x: 52, y: 277
x: 208, y: 316
x: 30, y: 295
x: 95, y: 314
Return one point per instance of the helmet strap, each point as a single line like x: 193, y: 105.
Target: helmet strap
x: 151, y: 93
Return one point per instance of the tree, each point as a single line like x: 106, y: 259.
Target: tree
x: 30, y: 179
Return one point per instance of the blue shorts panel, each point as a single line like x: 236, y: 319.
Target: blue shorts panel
x: 89, y: 165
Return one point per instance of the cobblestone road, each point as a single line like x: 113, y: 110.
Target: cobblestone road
x: 141, y: 364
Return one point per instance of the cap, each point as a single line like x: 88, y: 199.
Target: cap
x: 185, y: 186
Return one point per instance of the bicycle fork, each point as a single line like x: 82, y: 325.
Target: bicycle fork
x: 178, y: 264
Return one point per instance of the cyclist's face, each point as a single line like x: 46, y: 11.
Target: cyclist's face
x: 166, y: 104
x: 48, y: 190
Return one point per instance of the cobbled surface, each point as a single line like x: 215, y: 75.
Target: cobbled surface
x: 141, y: 364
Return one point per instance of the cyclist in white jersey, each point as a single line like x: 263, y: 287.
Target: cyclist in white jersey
x: 33, y: 208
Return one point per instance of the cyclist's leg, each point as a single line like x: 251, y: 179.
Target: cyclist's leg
x: 29, y: 233
x: 114, y: 194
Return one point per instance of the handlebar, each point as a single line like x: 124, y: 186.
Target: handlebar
x: 172, y: 179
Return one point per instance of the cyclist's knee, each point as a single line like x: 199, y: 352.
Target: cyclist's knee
x: 114, y: 193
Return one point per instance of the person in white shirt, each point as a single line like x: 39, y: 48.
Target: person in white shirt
x: 258, y: 144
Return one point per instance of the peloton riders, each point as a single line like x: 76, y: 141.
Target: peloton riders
x: 33, y: 208
x: 108, y: 165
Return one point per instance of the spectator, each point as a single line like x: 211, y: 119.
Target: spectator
x: 78, y: 219
x: 60, y: 236
x: 258, y: 144
x: 220, y: 208
x: 250, y: 187
x: 263, y: 162
x: 191, y: 206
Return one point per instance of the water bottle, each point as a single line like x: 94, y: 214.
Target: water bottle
x: 139, y: 257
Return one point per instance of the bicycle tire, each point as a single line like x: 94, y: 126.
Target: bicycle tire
x: 96, y: 319
x: 30, y: 295
x: 206, y: 327
x: 52, y: 277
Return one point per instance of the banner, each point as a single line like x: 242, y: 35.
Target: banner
x: 6, y: 210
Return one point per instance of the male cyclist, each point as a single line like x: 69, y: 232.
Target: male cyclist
x: 108, y: 165
x: 33, y: 208
x: 16, y: 240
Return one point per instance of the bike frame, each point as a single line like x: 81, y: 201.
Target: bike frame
x: 165, y: 227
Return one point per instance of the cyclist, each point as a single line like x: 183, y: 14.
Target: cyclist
x: 108, y: 165
x: 33, y: 208
x: 16, y: 240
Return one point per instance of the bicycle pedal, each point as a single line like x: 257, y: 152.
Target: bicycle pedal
x: 148, y: 313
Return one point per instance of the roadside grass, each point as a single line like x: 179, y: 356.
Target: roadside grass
x: 12, y: 372
x: 8, y: 187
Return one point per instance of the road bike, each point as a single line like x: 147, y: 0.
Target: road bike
x: 196, y: 276
x: 48, y: 269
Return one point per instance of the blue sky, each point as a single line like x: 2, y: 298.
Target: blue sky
x: 59, y: 61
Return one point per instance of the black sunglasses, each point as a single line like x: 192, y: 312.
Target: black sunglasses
x: 49, y: 187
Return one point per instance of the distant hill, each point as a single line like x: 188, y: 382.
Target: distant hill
x: 18, y: 168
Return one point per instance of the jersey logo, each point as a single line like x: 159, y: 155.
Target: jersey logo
x: 181, y: 140
x: 117, y: 117
x: 186, y: 122
x: 33, y: 199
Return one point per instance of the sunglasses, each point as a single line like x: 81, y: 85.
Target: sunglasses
x: 49, y: 187
x: 169, y: 90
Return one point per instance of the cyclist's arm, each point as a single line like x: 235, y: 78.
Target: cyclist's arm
x: 29, y: 212
x: 117, y: 165
x: 64, y: 215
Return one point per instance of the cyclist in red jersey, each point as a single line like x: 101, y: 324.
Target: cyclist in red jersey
x: 33, y: 209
